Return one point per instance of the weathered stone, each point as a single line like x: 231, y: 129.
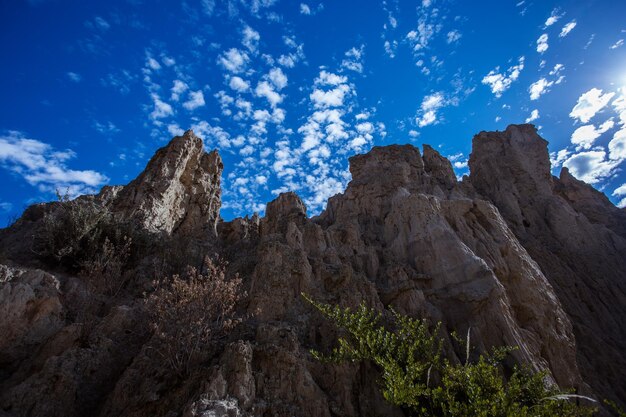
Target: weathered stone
x: 178, y: 192
x: 510, y: 254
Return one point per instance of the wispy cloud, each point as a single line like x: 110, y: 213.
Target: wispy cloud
x: 41, y: 165
x: 567, y: 28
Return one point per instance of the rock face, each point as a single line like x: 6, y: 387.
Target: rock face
x: 512, y: 254
x: 575, y: 235
x: 178, y: 192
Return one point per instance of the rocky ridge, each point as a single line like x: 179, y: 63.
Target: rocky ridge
x: 513, y: 254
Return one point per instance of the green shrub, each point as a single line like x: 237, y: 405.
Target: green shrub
x: 417, y: 378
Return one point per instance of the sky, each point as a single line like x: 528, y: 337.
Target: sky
x: 287, y: 91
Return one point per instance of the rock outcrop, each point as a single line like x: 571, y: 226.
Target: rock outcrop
x: 575, y: 235
x: 511, y: 254
x: 178, y: 192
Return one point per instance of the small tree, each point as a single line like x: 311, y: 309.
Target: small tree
x: 191, y: 314
x: 416, y: 378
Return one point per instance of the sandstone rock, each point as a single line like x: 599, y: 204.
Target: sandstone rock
x: 575, y: 236
x: 31, y: 312
x: 512, y: 254
x: 178, y: 192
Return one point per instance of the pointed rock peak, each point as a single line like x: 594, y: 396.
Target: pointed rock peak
x: 393, y: 164
x: 179, y: 191
x: 438, y: 167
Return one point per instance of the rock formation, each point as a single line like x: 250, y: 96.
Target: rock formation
x: 178, y: 192
x: 511, y: 253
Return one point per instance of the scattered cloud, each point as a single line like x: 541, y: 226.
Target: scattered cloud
x: 590, y: 103
x: 567, y: 29
x: 239, y: 84
x: 196, y: 99
x: 161, y: 109
x: 617, y: 44
x: 278, y: 78
x: 42, y: 166
x: 251, y: 39
x: 619, y: 192
x: 178, y: 88
x: 591, y: 166
x: 542, y: 43
x: 500, y: 82
x: 234, y: 60
x: 554, y: 17
x: 585, y: 136
x: 534, y: 115
x: 429, y: 108
x: 305, y: 9
x: 353, y: 60
x: 265, y: 89
x: 453, y: 36
x: 73, y: 76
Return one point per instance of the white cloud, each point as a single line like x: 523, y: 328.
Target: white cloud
x: 329, y: 98
x: 265, y: 89
x: 453, y: 36
x: 620, y: 191
x: 208, y: 7
x: 617, y: 145
x: 539, y: 88
x: 589, y: 104
x: 542, y: 86
x: 161, y: 108
x: 499, y: 83
x: 390, y: 48
x: 430, y: 105
x: 168, y: 61
x: 44, y: 167
x: 554, y: 17
x: 557, y: 158
x: 175, y: 130
x: 585, y: 136
x: 196, y: 99
x: 178, y: 88
x: 211, y: 134
x: 591, y: 166
x: 542, y: 43
x: 305, y: 9
x: 328, y: 78
x: 534, y: 115
x: 153, y: 63
x: 617, y: 44
x: 353, y: 60
x: 234, y: 60
x: 239, y: 84
x: 278, y: 78
x: 420, y: 38
x: 73, y: 76
x: 567, y: 28
x: 251, y: 39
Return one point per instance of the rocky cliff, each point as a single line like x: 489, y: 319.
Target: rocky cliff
x: 511, y: 253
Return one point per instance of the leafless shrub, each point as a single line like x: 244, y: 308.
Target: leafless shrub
x: 190, y: 315
x: 67, y: 229
x: 104, y: 272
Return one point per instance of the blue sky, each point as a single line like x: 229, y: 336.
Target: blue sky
x: 288, y: 90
